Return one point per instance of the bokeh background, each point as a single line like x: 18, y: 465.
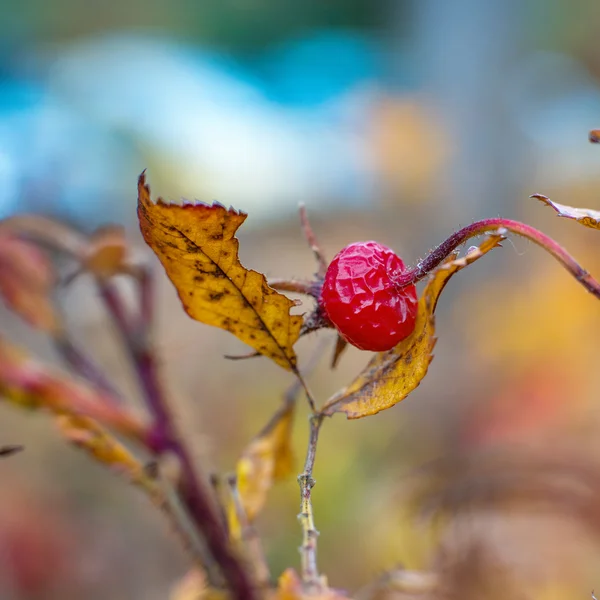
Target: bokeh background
x: 395, y: 120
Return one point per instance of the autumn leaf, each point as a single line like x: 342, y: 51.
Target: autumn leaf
x: 28, y: 383
x: 197, y: 247
x: 268, y: 458
x: 88, y: 435
x: 390, y: 376
x: 26, y: 281
x: 585, y: 216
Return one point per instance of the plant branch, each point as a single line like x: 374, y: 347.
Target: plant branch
x: 250, y: 537
x: 311, y: 238
x: 438, y: 254
x: 83, y: 365
x: 298, y: 286
x: 308, y: 550
x: 195, y: 493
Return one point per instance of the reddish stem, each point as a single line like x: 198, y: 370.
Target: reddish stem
x: 194, y: 491
x: 438, y: 254
x: 84, y: 366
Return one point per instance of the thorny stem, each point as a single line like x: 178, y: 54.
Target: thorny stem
x: 438, y: 254
x: 195, y: 494
x: 308, y: 550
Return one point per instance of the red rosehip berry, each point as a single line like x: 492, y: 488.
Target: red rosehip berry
x: 361, y: 300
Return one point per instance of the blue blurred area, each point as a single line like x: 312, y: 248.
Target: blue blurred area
x: 84, y: 108
x: 266, y: 132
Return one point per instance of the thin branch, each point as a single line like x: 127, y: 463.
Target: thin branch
x: 10, y: 450
x: 309, y: 396
x: 438, y: 254
x: 308, y: 550
x: 250, y: 537
x: 242, y: 356
x: 195, y: 493
x: 84, y: 366
x: 311, y: 238
x: 298, y: 286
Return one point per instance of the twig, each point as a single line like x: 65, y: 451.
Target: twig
x: 299, y: 286
x: 308, y: 550
x: 195, y: 493
x: 84, y: 366
x: 10, y: 450
x: 438, y: 254
x: 250, y: 537
x: 311, y: 238
x: 308, y: 393
x: 242, y: 356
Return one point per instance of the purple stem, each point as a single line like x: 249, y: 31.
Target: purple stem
x: 84, y: 366
x: 438, y: 254
x: 196, y: 495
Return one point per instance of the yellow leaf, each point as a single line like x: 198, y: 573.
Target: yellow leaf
x: 91, y: 437
x: 585, y: 216
x: 268, y: 458
x: 197, y: 247
x: 390, y: 376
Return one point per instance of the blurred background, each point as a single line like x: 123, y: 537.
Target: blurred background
x: 394, y: 120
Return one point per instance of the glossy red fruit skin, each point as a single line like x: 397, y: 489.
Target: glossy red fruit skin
x: 360, y: 299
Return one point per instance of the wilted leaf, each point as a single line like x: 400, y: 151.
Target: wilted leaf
x: 196, y: 245
x: 585, y: 216
x: 91, y: 437
x: 26, y: 281
x: 268, y: 458
x: 390, y: 376
x: 30, y: 384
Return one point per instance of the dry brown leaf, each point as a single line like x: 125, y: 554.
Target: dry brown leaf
x: 390, y: 376
x: 31, y: 384
x: 197, y: 247
x: 26, y: 281
x: 585, y: 216
x: 268, y: 458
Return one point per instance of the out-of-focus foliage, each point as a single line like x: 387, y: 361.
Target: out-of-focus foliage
x: 267, y: 459
x: 26, y: 281
x: 370, y: 127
